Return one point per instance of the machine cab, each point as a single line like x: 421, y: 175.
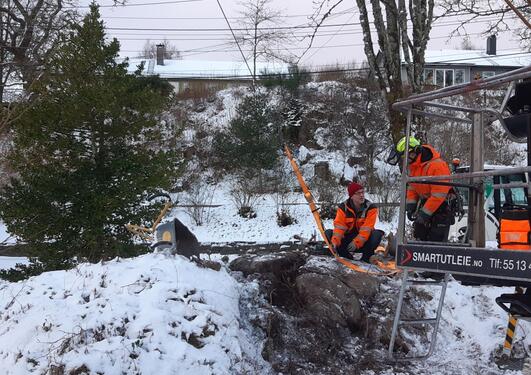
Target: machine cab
x: 495, y: 200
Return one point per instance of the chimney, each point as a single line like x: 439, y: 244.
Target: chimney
x: 491, y: 45
x: 160, y: 54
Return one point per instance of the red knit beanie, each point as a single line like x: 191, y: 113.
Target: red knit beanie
x: 353, y: 187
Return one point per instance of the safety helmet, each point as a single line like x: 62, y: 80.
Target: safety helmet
x: 401, y: 145
x: 396, y: 152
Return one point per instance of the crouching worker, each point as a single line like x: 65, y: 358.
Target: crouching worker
x: 354, y: 226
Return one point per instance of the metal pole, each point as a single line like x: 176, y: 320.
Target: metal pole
x: 439, y: 313
x: 403, y: 188
x: 494, y: 172
x: 528, y: 164
x: 476, y: 213
x: 480, y: 84
x: 398, y: 311
x: 452, y: 107
x: 440, y: 115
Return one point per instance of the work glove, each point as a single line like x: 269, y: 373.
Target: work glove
x: 351, y: 248
x: 423, y: 219
x: 421, y: 227
x: 411, y: 208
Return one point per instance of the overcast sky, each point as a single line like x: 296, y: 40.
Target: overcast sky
x: 334, y: 44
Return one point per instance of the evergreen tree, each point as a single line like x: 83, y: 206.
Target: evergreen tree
x: 252, y: 141
x: 87, y: 153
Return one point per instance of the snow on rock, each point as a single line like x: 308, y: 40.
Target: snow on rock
x: 124, y: 316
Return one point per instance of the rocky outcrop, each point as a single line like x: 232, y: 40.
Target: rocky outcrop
x: 317, y: 316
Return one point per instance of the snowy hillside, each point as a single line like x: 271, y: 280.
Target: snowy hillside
x: 165, y: 315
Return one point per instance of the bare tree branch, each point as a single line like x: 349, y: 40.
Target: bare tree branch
x: 518, y: 13
x: 472, y: 11
x: 318, y: 20
x: 401, y: 29
x: 256, y: 33
x: 28, y: 33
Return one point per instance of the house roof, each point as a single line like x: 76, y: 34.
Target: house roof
x: 513, y: 58
x: 204, y: 69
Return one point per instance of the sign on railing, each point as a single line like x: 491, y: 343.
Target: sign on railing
x: 494, y: 263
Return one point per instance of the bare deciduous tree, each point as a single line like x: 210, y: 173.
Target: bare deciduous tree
x: 28, y: 34
x: 199, y: 199
x: 401, y: 30
x: 244, y: 195
x: 258, y: 34
x: 467, y: 44
x: 149, y: 51
x: 509, y: 15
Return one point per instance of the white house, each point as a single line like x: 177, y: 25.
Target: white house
x: 215, y: 75
x: 451, y: 67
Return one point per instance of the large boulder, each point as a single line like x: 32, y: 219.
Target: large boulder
x: 329, y: 301
x: 315, y: 312
x: 277, y: 263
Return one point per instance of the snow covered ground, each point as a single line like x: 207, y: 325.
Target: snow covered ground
x: 125, y: 317
x: 163, y: 312
x: 225, y: 225
x: 158, y: 314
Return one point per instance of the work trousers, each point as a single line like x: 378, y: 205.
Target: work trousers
x: 367, y: 249
x: 438, y: 227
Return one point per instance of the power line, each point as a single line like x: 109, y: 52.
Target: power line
x: 219, y: 18
x: 293, y: 27
x: 208, y: 49
x: 235, y: 39
x: 296, y: 33
x: 347, y: 11
x: 339, y: 32
x: 226, y: 38
x: 441, y: 61
x: 224, y: 29
x: 135, y: 5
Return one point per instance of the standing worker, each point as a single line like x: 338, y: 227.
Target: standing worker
x: 426, y: 204
x: 354, y: 226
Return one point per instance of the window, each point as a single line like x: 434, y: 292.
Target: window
x: 445, y: 77
x: 459, y: 76
x: 439, y: 77
x: 487, y: 74
x: 448, y: 77
x: 428, y: 77
x: 513, y: 196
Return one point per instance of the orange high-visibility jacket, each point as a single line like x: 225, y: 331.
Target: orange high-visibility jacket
x: 349, y: 220
x: 433, y: 195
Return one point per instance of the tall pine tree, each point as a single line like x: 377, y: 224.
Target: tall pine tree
x: 87, y: 153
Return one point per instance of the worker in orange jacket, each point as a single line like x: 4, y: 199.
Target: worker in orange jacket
x: 427, y: 204
x: 354, y: 225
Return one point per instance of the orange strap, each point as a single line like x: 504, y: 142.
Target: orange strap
x: 315, y: 212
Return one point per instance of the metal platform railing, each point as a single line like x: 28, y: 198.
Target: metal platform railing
x: 470, y: 260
